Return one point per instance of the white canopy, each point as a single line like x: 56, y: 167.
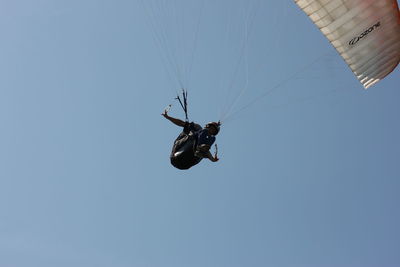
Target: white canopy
x: 366, y: 33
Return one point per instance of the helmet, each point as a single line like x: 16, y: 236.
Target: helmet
x: 216, y: 125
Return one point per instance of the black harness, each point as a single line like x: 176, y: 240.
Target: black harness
x: 182, y: 154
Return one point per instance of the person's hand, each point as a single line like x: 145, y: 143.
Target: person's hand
x: 216, y: 153
x: 165, y: 113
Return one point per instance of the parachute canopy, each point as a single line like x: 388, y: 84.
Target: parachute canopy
x: 366, y: 33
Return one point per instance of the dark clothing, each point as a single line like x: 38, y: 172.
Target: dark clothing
x: 185, y: 146
x: 204, y: 138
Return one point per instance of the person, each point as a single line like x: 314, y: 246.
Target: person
x: 193, y: 143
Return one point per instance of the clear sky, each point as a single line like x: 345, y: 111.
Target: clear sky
x: 308, y: 174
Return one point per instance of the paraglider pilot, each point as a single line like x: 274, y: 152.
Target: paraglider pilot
x: 193, y: 144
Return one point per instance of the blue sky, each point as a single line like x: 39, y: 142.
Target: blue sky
x: 308, y: 175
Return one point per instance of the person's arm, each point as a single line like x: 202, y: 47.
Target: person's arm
x: 204, y: 152
x: 211, y: 157
x: 175, y: 121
